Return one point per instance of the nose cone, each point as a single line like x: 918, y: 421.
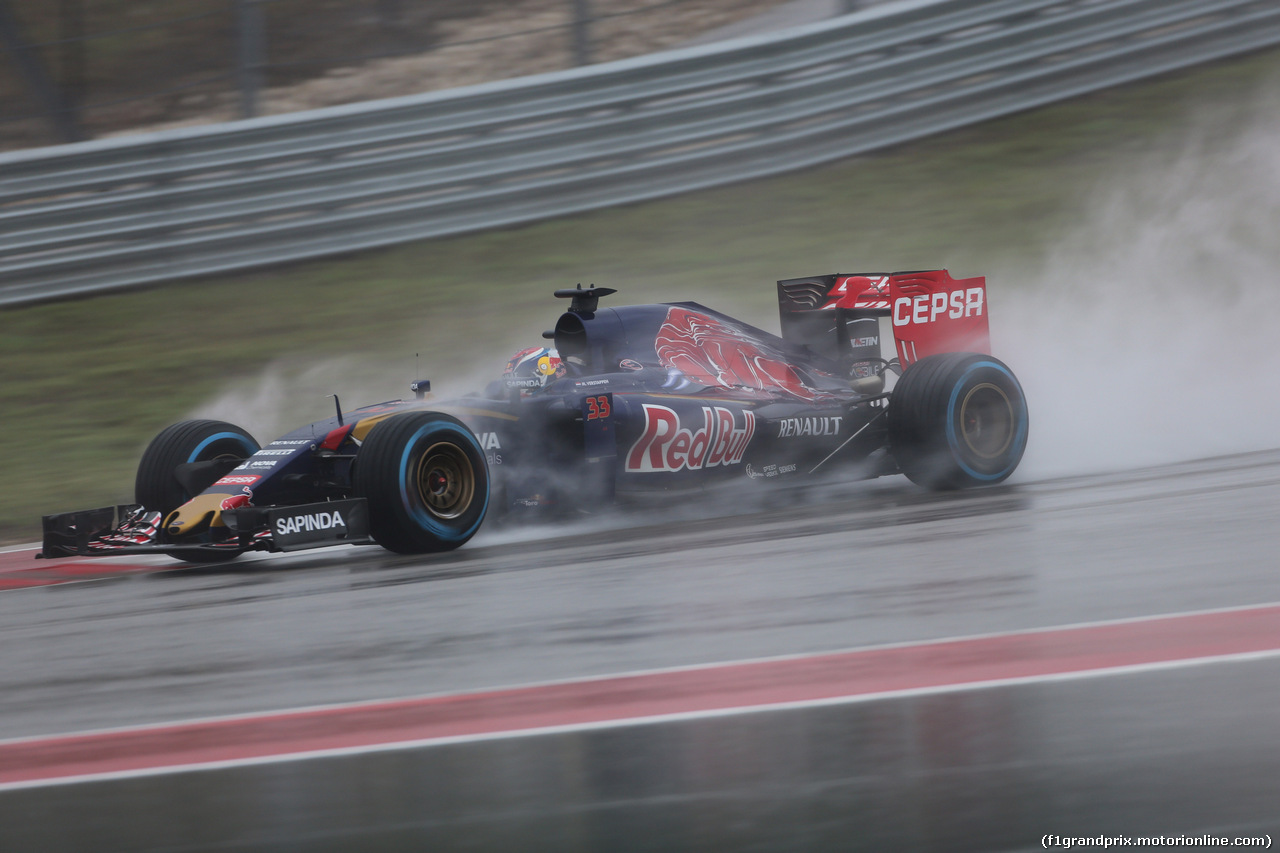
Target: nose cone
x: 195, y: 515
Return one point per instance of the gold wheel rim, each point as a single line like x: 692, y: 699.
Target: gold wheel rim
x: 446, y: 480
x: 987, y: 420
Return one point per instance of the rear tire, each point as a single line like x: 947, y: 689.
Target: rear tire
x: 157, y: 486
x: 426, y: 481
x: 957, y: 420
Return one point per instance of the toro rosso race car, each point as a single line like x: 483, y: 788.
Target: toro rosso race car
x: 632, y: 400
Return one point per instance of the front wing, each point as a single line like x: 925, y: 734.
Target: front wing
x: 131, y: 529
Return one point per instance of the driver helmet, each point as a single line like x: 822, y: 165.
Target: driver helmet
x: 531, y: 369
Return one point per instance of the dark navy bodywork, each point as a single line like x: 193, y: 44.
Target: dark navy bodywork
x: 645, y: 400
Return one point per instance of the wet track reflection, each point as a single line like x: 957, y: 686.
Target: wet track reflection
x: 881, y: 562
x: 866, y: 565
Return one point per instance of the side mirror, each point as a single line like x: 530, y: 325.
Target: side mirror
x: 421, y: 388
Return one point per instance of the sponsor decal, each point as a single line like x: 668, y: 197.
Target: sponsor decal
x: 865, y: 342
x: 816, y: 425
x: 540, y: 357
x: 869, y: 291
x: 275, y: 453
x: 929, y: 307
x: 667, y: 445
x: 769, y: 471
x: 311, y: 521
x: 630, y: 364
x: 713, y: 353
x: 934, y: 313
x: 245, y: 498
x: 239, y: 480
x: 530, y: 368
x: 489, y: 443
x: 281, y: 442
x: 248, y: 466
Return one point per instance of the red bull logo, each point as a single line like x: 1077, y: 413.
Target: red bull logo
x: 532, y: 368
x: 712, y: 353
x: 666, y: 445
x: 245, y: 498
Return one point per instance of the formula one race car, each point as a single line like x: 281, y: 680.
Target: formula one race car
x: 634, y: 400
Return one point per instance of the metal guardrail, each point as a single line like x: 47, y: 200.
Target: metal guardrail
x: 114, y: 213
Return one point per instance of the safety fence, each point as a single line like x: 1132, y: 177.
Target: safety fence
x: 157, y: 207
x: 89, y: 68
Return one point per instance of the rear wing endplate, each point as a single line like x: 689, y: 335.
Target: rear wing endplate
x: 930, y: 313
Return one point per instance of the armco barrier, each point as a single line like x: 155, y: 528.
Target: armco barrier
x: 162, y: 206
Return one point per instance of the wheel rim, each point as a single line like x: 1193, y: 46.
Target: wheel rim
x: 446, y: 481
x: 987, y: 421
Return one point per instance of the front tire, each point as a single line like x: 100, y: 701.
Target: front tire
x: 159, y: 485
x: 957, y: 420
x: 426, y: 482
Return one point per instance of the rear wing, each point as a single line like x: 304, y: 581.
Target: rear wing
x: 837, y: 316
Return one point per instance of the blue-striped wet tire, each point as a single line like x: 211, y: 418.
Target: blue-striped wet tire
x: 957, y: 420
x: 157, y: 486
x: 426, y: 481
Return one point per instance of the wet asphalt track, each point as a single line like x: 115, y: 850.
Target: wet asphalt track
x: 866, y: 564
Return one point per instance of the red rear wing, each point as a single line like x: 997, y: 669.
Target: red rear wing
x: 930, y: 311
